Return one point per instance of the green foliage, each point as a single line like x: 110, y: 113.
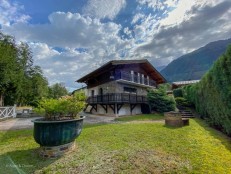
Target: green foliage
x: 57, y: 90
x: 165, y: 86
x: 77, y: 103
x: 159, y: 100
x: 55, y: 109
x: 20, y: 82
x: 182, y: 102
x: 212, y: 96
x: 40, y: 111
x: 178, y: 92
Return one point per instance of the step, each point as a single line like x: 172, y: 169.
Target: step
x: 186, y: 114
x: 185, y: 111
x: 187, y: 117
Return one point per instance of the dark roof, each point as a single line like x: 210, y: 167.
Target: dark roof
x: 145, y: 63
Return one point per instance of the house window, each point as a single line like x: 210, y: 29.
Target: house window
x: 130, y: 90
x: 92, y: 93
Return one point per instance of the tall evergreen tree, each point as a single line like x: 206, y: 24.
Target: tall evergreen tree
x: 20, y: 82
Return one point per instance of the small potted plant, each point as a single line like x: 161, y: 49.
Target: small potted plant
x: 61, y: 124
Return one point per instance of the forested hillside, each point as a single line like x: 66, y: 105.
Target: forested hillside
x: 194, y: 65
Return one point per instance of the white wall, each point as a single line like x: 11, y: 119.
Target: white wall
x: 124, y: 110
x: 101, y: 111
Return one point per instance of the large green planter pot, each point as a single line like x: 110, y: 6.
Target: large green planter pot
x: 55, y: 133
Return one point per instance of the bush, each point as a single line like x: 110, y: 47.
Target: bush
x: 66, y: 106
x: 182, y: 102
x: 178, y: 92
x: 159, y: 101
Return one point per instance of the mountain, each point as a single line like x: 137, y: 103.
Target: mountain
x: 194, y: 65
x: 159, y: 68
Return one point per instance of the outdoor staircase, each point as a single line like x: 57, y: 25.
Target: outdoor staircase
x: 186, y: 114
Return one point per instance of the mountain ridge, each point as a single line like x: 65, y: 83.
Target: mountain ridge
x: 194, y: 65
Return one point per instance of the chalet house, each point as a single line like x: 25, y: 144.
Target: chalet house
x: 119, y: 87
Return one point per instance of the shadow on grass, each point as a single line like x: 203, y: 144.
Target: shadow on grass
x: 23, y: 161
x: 223, y: 138
x: 21, y: 153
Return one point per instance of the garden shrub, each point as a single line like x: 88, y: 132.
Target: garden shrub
x: 159, y: 100
x: 182, y: 102
x: 65, y: 106
x: 178, y: 92
x: 212, y: 95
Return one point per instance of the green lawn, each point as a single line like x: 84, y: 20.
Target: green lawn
x: 125, y: 148
x: 141, y: 117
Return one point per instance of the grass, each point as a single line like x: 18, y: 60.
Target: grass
x: 142, y: 117
x: 125, y: 148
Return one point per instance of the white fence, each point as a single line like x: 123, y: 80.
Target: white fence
x: 9, y: 111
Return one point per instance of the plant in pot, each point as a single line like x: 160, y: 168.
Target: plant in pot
x: 61, y: 125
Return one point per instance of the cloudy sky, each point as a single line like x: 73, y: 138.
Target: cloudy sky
x: 71, y: 38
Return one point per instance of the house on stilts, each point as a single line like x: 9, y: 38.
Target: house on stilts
x: 119, y: 87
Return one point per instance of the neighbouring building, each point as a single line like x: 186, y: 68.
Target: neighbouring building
x: 183, y: 83
x: 119, y: 87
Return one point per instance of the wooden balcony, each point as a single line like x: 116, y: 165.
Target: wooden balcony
x: 112, y: 98
x: 134, y: 78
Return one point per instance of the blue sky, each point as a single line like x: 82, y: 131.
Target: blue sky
x: 71, y: 38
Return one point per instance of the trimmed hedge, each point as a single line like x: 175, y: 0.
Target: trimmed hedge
x: 212, y: 95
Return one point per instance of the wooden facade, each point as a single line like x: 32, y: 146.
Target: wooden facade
x: 120, y: 87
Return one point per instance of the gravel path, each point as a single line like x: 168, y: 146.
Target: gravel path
x: 17, y: 123
x: 25, y: 123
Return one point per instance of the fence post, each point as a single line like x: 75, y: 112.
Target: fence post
x: 14, y: 111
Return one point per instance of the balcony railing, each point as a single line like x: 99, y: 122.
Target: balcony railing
x: 111, y: 98
x: 134, y: 78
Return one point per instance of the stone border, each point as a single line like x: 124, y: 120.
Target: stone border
x: 56, y: 151
x: 174, y: 119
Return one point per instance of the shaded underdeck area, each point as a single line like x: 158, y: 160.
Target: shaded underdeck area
x: 115, y: 101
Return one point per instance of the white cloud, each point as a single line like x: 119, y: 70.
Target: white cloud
x: 104, y: 8
x: 65, y: 66
x: 137, y: 17
x: 67, y: 30
x: 201, y: 23
x: 150, y: 3
x: 100, y: 40
x: 11, y: 12
x: 42, y: 51
x: 187, y: 27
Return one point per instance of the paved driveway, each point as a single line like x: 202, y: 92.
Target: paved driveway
x: 17, y: 123
x: 24, y: 123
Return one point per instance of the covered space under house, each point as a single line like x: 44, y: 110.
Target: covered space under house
x: 119, y: 87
